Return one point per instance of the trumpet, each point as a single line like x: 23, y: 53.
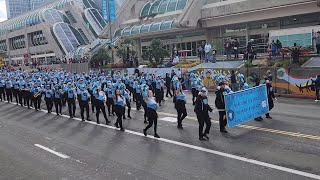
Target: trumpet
x: 36, y: 95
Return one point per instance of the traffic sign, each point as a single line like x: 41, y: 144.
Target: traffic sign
x: 26, y: 56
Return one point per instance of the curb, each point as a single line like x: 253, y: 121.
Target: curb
x: 295, y: 96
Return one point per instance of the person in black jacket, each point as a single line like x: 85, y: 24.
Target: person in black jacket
x: 201, y: 109
x: 168, y: 85
x: 317, y: 87
x: 234, y: 84
x: 220, y: 104
x: 257, y: 83
x: 271, y: 96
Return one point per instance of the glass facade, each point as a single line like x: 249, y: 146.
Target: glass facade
x: 147, y: 28
x: 181, y: 42
x: 29, y: 19
x: 162, y: 6
x: 38, y: 38
x: 52, y: 16
x: 67, y: 37
x: 193, y: 46
x: 95, y: 19
x: 304, y: 40
x: 17, y: 7
x: 17, y: 42
x: 3, y: 45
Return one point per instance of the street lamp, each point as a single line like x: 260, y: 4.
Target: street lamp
x: 110, y: 31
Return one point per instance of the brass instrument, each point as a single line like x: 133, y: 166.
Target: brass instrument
x: 38, y: 94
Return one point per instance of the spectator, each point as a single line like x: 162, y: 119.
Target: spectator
x: 176, y: 60
x: 172, y: 73
x: 273, y: 47
x: 269, y: 75
x: 207, y: 50
x: 136, y: 62
x: 250, y: 51
x: 200, y: 52
x: 234, y: 84
x: 131, y: 61
x: 236, y: 45
x: 168, y: 85
x: 317, y: 38
x: 279, y: 46
x: 317, y: 87
x: 228, y: 48
x: 186, y: 81
x: 179, y: 74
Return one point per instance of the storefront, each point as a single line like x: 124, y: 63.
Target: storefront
x: 183, y: 41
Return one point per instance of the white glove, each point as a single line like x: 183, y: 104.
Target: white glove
x: 275, y: 99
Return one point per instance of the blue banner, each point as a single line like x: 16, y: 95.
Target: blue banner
x: 246, y: 105
x: 105, y: 10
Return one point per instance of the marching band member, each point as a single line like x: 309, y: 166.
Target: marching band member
x: 220, y: 104
x: 152, y: 114
x: 180, y: 105
x: 58, y: 93
x: 8, y: 85
x: 15, y: 91
x: 84, y: 98
x: 2, y: 92
x: 36, y: 96
x: 48, y: 94
x: 71, y: 99
x: 119, y: 108
x: 158, y: 90
x: 201, y: 109
x: 100, y: 100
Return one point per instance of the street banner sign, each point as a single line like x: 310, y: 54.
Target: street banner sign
x: 105, y: 10
x: 244, y: 106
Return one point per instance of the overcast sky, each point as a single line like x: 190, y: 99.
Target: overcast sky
x: 3, y: 11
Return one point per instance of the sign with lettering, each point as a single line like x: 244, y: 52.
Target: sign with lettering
x: 105, y: 10
x: 244, y: 106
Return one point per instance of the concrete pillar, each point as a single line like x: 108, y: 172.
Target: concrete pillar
x: 8, y: 48
x: 139, y: 48
x: 209, y: 35
x: 45, y: 58
x: 247, y: 33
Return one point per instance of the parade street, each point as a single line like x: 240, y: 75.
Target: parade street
x: 36, y: 145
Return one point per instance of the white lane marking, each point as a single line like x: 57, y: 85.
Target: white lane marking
x: 169, y: 119
x: 52, y: 151
x: 47, y: 138
x: 273, y: 131
x: 218, y: 153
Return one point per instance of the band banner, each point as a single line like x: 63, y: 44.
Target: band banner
x: 246, y: 105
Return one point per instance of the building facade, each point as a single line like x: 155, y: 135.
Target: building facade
x: 17, y: 7
x: 187, y: 24
x: 64, y: 29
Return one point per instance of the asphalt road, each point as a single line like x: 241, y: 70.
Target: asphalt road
x: 36, y: 145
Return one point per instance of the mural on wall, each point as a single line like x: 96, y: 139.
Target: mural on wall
x: 296, y: 85
x: 211, y: 78
x: 298, y: 81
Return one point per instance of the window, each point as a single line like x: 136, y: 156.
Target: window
x: 194, y: 48
x: 189, y: 48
